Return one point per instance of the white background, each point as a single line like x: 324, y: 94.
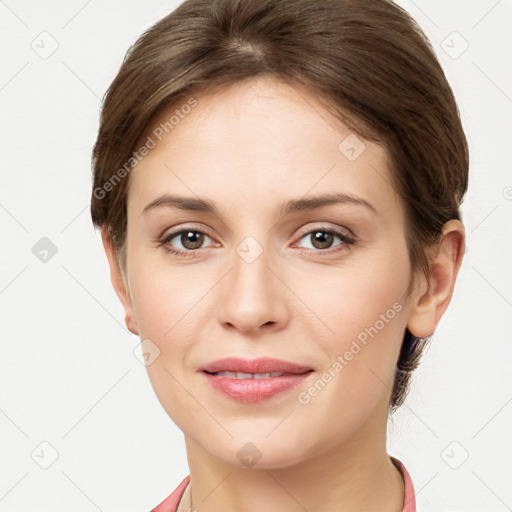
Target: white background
x: 68, y: 373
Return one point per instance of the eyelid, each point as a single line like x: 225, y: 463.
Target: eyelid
x: 323, y: 227
x: 190, y: 227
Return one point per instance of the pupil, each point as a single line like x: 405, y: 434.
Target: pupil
x: 323, y: 239
x: 192, y: 239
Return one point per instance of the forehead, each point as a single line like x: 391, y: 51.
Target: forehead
x: 255, y: 142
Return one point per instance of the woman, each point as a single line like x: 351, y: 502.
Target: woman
x: 278, y: 188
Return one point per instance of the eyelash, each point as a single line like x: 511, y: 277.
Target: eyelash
x: 347, y: 241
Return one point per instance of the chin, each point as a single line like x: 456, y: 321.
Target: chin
x: 257, y: 452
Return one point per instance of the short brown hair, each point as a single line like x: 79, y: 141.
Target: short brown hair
x: 366, y: 60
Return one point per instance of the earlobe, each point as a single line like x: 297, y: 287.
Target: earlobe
x: 433, y: 295
x: 118, y: 282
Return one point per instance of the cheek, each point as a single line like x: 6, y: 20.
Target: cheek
x: 163, y: 296
x: 165, y: 305
x: 158, y: 302
x: 363, y: 315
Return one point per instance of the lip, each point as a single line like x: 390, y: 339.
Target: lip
x: 261, y: 365
x: 254, y: 390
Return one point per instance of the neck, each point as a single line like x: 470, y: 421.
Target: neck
x: 355, y: 475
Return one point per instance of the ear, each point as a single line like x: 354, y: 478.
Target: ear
x: 118, y: 281
x: 432, y: 295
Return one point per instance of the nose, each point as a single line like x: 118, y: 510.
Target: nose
x: 253, y: 296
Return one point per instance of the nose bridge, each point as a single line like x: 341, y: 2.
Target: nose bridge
x: 251, y: 295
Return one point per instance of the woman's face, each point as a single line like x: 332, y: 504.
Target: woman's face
x: 256, y: 278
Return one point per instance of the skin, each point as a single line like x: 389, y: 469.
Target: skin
x: 248, y: 148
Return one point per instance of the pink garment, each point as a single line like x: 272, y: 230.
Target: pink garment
x: 409, y: 496
x: 170, y: 504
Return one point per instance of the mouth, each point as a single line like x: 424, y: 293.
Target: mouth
x: 254, y: 381
x: 262, y: 368
x: 243, y: 375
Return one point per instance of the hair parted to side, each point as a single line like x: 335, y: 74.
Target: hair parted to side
x: 367, y: 61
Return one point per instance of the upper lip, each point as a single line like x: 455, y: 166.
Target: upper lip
x: 261, y: 365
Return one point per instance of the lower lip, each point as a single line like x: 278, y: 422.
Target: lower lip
x: 255, y: 390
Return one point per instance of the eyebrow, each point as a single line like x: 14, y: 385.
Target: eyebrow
x: 293, y: 205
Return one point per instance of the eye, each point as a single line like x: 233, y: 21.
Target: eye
x: 190, y: 240
x: 322, y: 239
